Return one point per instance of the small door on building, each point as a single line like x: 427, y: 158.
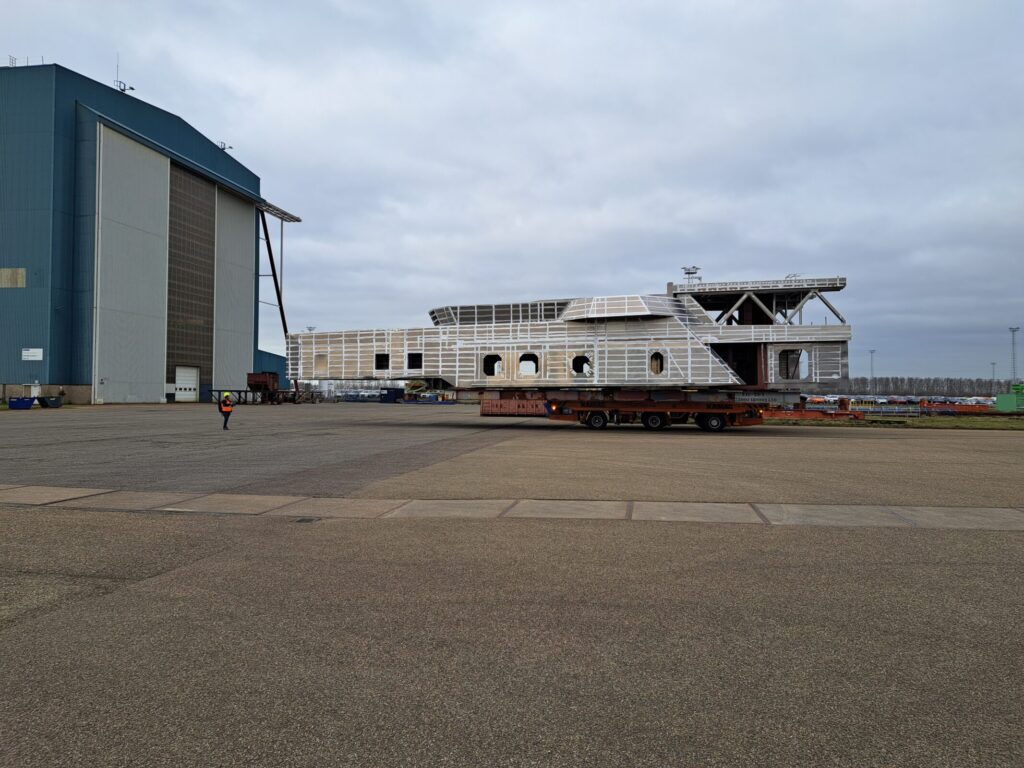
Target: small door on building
x: 186, y: 384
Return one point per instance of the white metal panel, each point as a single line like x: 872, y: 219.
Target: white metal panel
x: 619, y: 352
x: 234, y: 291
x: 130, y: 313
x: 632, y: 340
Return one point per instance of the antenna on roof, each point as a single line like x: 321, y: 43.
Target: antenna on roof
x: 692, y: 276
x: 14, y: 61
x: 224, y: 146
x: 120, y: 84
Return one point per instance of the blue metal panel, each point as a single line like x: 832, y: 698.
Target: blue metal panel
x: 83, y: 282
x: 268, y: 361
x: 62, y: 245
x: 26, y: 189
x: 151, y: 122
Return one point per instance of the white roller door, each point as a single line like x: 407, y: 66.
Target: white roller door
x: 186, y: 384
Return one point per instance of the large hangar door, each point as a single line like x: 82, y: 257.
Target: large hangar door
x: 190, y: 275
x: 186, y: 384
x: 130, y: 276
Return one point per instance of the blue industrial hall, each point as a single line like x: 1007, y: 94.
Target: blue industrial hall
x: 129, y: 247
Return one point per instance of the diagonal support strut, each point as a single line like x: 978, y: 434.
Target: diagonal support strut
x: 273, y: 271
x: 792, y: 313
x: 753, y: 298
x: 835, y: 311
x: 727, y: 315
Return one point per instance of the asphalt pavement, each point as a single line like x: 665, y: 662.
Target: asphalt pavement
x: 449, y: 452
x: 237, y: 633
x: 148, y: 639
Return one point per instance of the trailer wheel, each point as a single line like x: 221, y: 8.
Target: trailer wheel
x: 596, y: 420
x: 654, y: 420
x: 714, y: 422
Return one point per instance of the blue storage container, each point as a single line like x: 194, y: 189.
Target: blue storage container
x: 20, y: 403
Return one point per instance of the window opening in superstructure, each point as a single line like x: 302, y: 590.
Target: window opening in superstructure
x: 582, y: 366
x: 657, y: 363
x: 492, y: 365
x: 793, y: 364
x: 529, y: 364
x: 381, y: 361
x: 414, y: 361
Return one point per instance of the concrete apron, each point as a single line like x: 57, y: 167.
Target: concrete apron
x: 978, y: 518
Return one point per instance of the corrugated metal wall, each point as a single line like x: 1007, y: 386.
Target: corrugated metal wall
x: 233, y: 317
x: 83, y: 264
x: 190, y: 277
x: 26, y: 193
x: 131, y: 272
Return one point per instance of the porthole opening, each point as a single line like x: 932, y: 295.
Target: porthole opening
x: 657, y: 363
x: 582, y: 366
x: 529, y: 364
x: 492, y: 365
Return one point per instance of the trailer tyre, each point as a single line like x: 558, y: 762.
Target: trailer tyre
x: 654, y: 420
x: 596, y: 420
x: 714, y: 422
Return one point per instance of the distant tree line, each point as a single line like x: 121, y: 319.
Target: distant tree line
x: 927, y: 385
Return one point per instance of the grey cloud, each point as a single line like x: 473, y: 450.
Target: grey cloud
x: 449, y: 152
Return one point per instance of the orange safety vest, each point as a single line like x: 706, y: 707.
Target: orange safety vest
x: 225, y: 406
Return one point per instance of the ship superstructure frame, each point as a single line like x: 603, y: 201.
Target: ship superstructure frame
x: 735, y: 335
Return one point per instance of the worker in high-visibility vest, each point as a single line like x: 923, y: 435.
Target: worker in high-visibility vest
x: 224, y: 405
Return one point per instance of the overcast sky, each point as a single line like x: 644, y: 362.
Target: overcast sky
x: 462, y: 152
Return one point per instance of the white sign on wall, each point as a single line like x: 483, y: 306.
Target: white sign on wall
x: 31, y: 353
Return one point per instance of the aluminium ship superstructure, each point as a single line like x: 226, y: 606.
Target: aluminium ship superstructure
x: 732, y: 335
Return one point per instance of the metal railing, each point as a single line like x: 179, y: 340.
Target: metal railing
x: 820, y: 283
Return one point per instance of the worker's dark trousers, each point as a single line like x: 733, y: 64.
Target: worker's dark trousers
x: 227, y: 415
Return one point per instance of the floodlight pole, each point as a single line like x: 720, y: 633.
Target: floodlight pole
x: 872, y: 353
x: 1013, y: 354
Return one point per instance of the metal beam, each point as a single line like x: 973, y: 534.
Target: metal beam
x: 789, y: 315
x: 835, y: 311
x: 278, y: 213
x: 734, y: 308
x: 273, y: 270
x: 753, y: 297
